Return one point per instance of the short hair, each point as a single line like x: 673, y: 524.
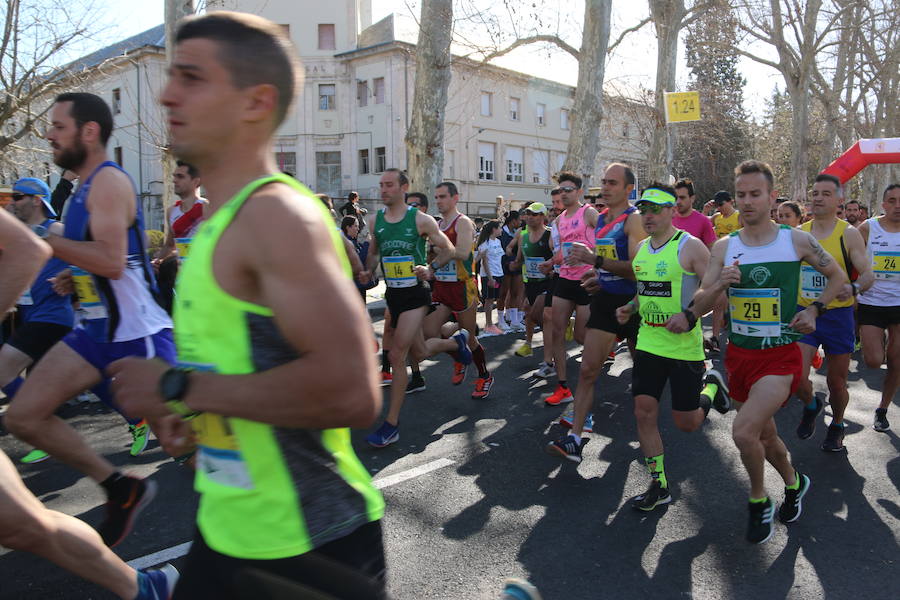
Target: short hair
x: 348, y: 221
x: 420, y: 197
x: 831, y: 178
x: 352, y: 195
x: 794, y: 207
x: 254, y: 51
x: 629, y: 172
x: 89, y: 107
x: 685, y: 183
x: 849, y: 202
x: 890, y: 187
x: 655, y: 185
x: 451, y: 187
x: 555, y: 191
x: 749, y: 167
x: 191, y: 169
x: 512, y: 216
x: 569, y: 176
x: 401, y: 176
x: 326, y: 200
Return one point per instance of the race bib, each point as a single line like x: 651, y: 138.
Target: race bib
x: 886, y: 265
x: 811, y: 283
x: 219, y: 454
x: 184, y: 247
x: 25, y: 299
x: 88, y: 297
x: 532, y: 270
x: 606, y: 247
x: 755, y: 312
x: 566, y: 249
x: 447, y: 273
x: 398, y: 271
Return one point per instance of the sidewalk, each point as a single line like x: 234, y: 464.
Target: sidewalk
x: 375, y: 300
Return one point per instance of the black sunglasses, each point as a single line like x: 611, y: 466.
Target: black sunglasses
x: 413, y: 204
x: 17, y: 197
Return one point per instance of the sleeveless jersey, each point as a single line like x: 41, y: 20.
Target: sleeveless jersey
x: 267, y: 492
x: 884, y: 253
x: 557, y: 243
x: 534, y: 253
x: 401, y: 248
x: 764, y: 303
x: 613, y: 245
x: 573, y: 229
x: 456, y: 270
x: 191, y: 225
x: 40, y: 303
x: 812, y: 283
x: 727, y: 225
x: 665, y: 289
x: 116, y: 310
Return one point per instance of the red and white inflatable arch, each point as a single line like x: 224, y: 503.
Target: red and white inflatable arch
x: 880, y: 151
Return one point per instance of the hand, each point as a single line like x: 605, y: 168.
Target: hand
x: 491, y: 282
x: 624, y: 312
x: 580, y: 254
x: 846, y: 293
x: 174, y: 434
x: 423, y: 272
x: 63, y: 284
x: 805, y: 321
x: 590, y: 283
x: 677, y: 323
x: 709, y: 208
x: 546, y: 267
x: 514, y: 266
x: 135, y: 386
x: 731, y: 275
x: 364, y: 277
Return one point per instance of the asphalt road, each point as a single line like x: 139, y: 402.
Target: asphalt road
x: 472, y: 499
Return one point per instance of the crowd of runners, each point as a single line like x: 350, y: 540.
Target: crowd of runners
x: 211, y: 367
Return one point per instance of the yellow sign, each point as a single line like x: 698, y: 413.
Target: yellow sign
x: 682, y: 107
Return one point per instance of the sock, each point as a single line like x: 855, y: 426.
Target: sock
x: 12, y: 387
x: 480, y: 361
x: 759, y: 500
x: 562, y: 384
x: 656, y: 469
x: 796, y: 485
x: 814, y: 405
x: 385, y: 361
x: 710, y: 391
x: 841, y: 424
x: 577, y: 438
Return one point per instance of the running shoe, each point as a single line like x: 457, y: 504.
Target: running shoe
x: 491, y: 330
x: 385, y: 435
x: 462, y: 341
x: 517, y: 327
x: 519, y: 589
x: 416, y: 384
x: 524, y: 350
x: 834, y: 439
x: 560, y: 396
x: 459, y: 373
x: 33, y: 457
x: 545, y: 371
x: 569, y: 415
x: 483, y: 387
x: 121, y: 511
x: 140, y: 435
x: 567, y: 448
x: 759, y: 525
x: 502, y: 326
x: 387, y: 378
x: 570, y: 330
x: 157, y: 584
x: 655, y: 495
x: 721, y: 401
x: 793, y: 501
x: 807, y: 425
x: 713, y: 345
x: 881, y: 422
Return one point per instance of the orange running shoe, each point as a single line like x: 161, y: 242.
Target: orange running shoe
x: 483, y: 387
x: 560, y: 396
x: 387, y: 378
x: 817, y: 360
x: 459, y: 373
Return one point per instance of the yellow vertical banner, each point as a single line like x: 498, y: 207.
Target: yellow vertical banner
x: 682, y: 107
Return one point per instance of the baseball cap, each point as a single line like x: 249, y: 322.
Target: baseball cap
x: 656, y: 196
x: 721, y: 197
x: 536, y: 208
x: 32, y: 186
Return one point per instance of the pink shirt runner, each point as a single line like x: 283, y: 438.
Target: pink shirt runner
x: 574, y: 229
x: 697, y: 225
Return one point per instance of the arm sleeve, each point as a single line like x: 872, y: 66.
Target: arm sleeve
x: 60, y: 194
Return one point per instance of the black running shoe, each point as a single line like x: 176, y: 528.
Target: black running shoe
x: 721, y: 401
x: 416, y: 384
x: 793, y: 501
x: 834, y: 439
x: 655, y: 495
x: 567, y: 448
x: 807, y: 425
x: 881, y: 422
x: 122, y: 511
x: 759, y: 526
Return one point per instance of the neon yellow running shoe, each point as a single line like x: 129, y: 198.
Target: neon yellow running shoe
x: 35, y: 456
x: 524, y: 350
x: 140, y: 435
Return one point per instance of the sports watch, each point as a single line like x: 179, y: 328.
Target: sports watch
x: 173, y: 385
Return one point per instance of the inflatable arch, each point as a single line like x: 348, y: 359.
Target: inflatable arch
x: 879, y: 151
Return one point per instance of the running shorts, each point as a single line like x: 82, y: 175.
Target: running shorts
x: 603, y: 315
x: 489, y: 292
x: 35, y: 338
x: 536, y: 288
x: 877, y: 316
x: 835, y: 331
x: 570, y: 289
x: 745, y: 367
x: 456, y: 295
x: 685, y: 378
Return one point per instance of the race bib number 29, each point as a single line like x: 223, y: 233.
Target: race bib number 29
x: 755, y: 312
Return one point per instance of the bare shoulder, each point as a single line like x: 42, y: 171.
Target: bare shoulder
x: 279, y: 217
x: 110, y: 184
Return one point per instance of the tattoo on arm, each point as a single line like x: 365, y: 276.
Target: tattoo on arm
x: 823, y: 259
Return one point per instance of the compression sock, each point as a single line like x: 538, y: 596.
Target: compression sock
x: 656, y: 468
x: 385, y: 361
x: 12, y: 387
x: 710, y: 391
x: 480, y: 361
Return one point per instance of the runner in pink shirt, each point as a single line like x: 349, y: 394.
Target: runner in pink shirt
x: 688, y: 219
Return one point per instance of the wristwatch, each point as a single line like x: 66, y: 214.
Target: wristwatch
x: 598, y: 262
x: 173, y: 385
x: 819, y: 307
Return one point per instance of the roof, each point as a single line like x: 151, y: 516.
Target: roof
x: 155, y: 37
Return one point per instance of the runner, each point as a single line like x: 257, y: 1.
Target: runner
x: 273, y: 375
x: 668, y: 267
x: 688, y: 219
x: 535, y: 248
x: 512, y: 292
x: 184, y: 217
x: 835, y: 329
x: 104, y: 240
x: 617, y: 236
x: 399, y: 234
x: 879, y: 307
x: 759, y: 266
x: 725, y: 221
x: 488, y: 254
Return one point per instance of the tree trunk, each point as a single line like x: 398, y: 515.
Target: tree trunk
x: 587, y: 111
x: 425, y: 136
x: 799, y: 139
x: 668, y: 19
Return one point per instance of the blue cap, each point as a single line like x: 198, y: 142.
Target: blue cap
x: 32, y: 186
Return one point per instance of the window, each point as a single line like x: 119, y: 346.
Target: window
x: 541, y: 172
x: 379, y: 90
x: 328, y: 173
x: 326, y: 96
x: 514, y: 109
x: 364, y: 162
x: 117, y: 101
x: 540, y: 112
x: 564, y: 118
x: 117, y: 155
x: 326, y: 36
x: 287, y: 161
x: 380, y: 159
x: 487, y: 100
x: 514, y: 160
x: 451, y: 164
x: 362, y: 92
x: 560, y: 161
x: 485, y: 161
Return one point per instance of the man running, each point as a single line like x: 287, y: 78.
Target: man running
x: 835, y: 329
x: 399, y: 240
x: 879, y: 307
x: 184, y: 217
x: 615, y: 241
x: 104, y: 240
x: 274, y: 347
x: 759, y: 267
x: 688, y: 219
x: 852, y: 213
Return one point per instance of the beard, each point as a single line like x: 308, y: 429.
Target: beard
x: 73, y: 157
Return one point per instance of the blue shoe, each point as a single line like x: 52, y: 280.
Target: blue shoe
x: 462, y: 340
x: 385, y: 435
x: 569, y: 415
x: 157, y: 584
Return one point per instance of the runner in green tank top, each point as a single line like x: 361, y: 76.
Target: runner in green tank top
x: 759, y: 267
x: 535, y: 249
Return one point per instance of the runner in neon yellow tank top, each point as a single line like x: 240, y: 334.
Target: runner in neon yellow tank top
x: 274, y: 375
x: 759, y: 266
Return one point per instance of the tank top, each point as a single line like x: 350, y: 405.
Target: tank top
x: 573, y: 229
x: 611, y: 242
x: 40, y: 303
x: 812, y: 283
x: 456, y: 270
x: 401, y: 248
x: 884, y: 253
x: 186, y: 228
x: 764, y: 303
x: 115, y: 310
x: 665, y: 288
x: 534, y: 253
x: 727, y: 225
x: 266, y: 492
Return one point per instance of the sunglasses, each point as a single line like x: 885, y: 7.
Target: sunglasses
x: 17, y: 197
x: 655, y: 209
x: 567, y: 189
x: 413, y: 204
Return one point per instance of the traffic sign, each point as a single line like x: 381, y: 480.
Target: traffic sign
x: 682, y: 107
